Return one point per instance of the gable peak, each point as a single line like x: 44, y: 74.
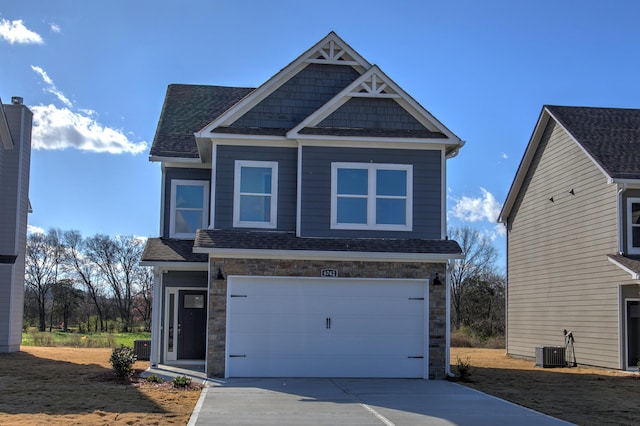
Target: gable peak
x: 333, y: 50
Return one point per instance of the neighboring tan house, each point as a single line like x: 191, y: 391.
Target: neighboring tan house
x: 303, y: 225
x: 573, y: 237
x: 15, y: 157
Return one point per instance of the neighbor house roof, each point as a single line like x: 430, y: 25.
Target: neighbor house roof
x: 187, y: 109
x: 211, y: 240
x: 6, y: 140
x: 609, y: 136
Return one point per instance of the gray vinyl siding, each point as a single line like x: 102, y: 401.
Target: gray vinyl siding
x: 372, y: 113
x: 559, y: 276
x: 296, y: 99
x: 316, y: 190
x: 14, y: 202
x: 176, y: 173
x: 287, y: 159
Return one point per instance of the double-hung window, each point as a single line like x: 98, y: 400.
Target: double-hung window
x: 189, y: 207
x: 372, y: 196
x: 633, y: 225
x: 255, y: 194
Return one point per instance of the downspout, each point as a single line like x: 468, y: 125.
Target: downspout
x: 154, y: 356
x: 448, y: 321
x: 622, y: 187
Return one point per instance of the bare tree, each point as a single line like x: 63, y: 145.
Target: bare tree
x: 144, y: 296
x: 85, y: 271
x: 479, y: 261
x: 117, y: 259
x: 66, y: 300
x: 43, y: 256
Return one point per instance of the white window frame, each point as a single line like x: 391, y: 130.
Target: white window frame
x: 205, y: 206
x: 371, y: 197
x: 273, y: 223
x: 630, y: 248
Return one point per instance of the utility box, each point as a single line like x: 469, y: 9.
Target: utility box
x: 142, y: 349
x: 550, y: 356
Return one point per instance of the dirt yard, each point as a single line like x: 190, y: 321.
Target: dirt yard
x: 585, y: 396
x: 54, y: 386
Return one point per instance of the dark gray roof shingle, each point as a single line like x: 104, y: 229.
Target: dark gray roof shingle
x: 171, y: 250
x: 234, y: 239
x: 187, y: 109
x: 610, y: 135
x: 632, y: 263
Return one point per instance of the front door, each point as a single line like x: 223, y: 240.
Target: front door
x: 633, y: 333
x: 192, y: 324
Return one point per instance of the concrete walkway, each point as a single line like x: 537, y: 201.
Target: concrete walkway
x: 355, y: 402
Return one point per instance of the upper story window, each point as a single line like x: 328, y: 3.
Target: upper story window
x: 255, y: 194
x: 371, y: 196
x: 633, y: 225
x: 189, y: 207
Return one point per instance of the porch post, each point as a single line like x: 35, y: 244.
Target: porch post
x: 156, y: 310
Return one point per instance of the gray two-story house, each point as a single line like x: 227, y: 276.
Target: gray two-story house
x: 573, y: 237
x: 303, y: 225
x: 15, y: 160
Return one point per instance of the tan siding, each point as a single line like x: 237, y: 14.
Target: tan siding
x: 559, y: 274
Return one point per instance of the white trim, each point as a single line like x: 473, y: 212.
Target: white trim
x: 273, y: 221
x: 372, y: 196
x: 156, y: 326
x: 346, y: 256
x: 299, y: 194
x: 443, y: 195
x: 214, y: 168
x: 173, y: 266
x: 158, y: 158
x: 629, y: 225
x: 172, y: 207
x: 634, y: 275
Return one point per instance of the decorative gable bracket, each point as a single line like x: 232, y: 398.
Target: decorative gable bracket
x: 334, y: 53
x: 373, y: 86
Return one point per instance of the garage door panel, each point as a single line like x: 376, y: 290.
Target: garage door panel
x: 305, y: 327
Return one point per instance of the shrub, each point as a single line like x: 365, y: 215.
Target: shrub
x: 154, y: 379
x: 122, y: 360
x: 181, y: 381
x: 464, y: 369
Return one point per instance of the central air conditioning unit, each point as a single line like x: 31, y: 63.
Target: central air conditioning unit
x: 550, y: 356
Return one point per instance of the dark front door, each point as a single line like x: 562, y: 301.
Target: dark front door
x: 192, y: 324
x: 633, y: 333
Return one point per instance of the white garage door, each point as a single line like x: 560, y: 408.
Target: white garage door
x: 326, y: 327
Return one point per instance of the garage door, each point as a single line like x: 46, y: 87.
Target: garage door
x: 326, y: 327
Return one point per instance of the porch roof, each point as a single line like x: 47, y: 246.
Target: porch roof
x: 630, y: 264
x: 171, y: 250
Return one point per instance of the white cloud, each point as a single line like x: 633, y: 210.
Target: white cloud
x: 55, y: 27
x: 32, y: 229
x: 51, y: 87
x: 16, y: 32
x: 476, y: 209
x: 504, y: 155
x: 60, y: 128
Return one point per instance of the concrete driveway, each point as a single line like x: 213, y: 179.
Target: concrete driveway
x: 356, y: 402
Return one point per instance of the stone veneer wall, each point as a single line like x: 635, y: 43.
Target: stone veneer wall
x: 311, y: 268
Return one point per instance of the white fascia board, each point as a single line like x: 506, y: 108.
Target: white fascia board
x: 634, y: 275
x: 176, y: 266
x: 159, y: 159
x: 245, y: 140
x: 628, y: 183
x: 185, y: 165
x: 253, y: 98
x: 327, y: 255
x: 362, y: 142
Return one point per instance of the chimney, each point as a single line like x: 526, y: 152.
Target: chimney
x: 16, y: 100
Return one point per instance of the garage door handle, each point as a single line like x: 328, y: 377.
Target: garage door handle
x: 328, y: 323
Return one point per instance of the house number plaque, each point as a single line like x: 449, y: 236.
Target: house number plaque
x: 329, y: 273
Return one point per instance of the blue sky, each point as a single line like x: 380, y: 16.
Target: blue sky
x: 95, y: 75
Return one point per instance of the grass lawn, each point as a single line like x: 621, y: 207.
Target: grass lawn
x: 81, y: 340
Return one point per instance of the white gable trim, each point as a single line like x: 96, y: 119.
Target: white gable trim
x: 376, y: 84
x: 332, y: 48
